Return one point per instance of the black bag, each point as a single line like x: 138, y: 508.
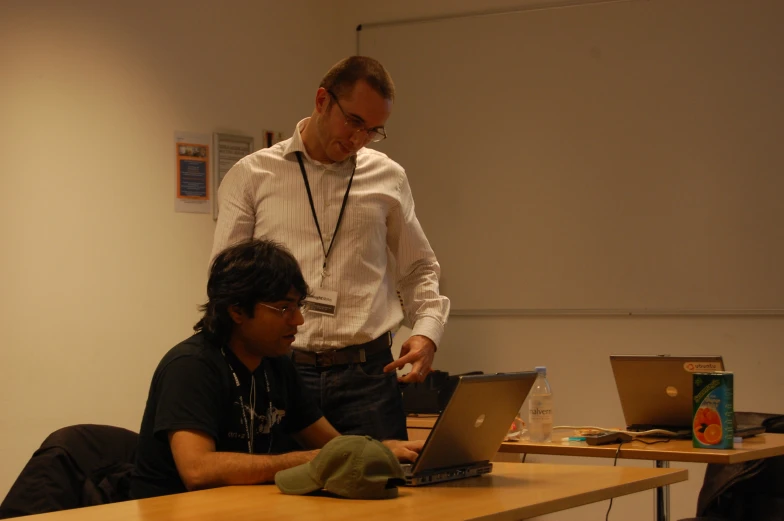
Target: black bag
x: 748, y: 491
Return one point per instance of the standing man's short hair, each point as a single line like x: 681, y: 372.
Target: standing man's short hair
x: 249, y: 272
x: 340, y: 79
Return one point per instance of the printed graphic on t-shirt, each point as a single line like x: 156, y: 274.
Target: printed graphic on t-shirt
x: 265, y: 422
x: 262, y: 423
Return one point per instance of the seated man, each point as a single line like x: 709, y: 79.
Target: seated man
x: 226, y: 406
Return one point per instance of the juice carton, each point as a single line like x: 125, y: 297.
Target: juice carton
x: 713, y: 421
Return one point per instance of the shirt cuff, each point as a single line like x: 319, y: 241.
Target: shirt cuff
x: 430, y: 327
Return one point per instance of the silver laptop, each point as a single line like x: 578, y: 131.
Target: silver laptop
x: 656, y: 390
x: 472, y: 427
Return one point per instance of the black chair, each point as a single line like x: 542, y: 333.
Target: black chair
x: 76, y: 466
x: 750, y: 491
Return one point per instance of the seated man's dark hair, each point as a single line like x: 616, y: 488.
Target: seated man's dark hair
x: 244, y: 274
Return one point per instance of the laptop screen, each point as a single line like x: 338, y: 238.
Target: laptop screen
x: 656, y: 390
x: 475, y: 420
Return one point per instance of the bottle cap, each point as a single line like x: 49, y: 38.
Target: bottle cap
x: 540, y: 369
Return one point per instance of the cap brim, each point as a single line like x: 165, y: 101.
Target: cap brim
x: 388, y: 491
x: 297, y: 480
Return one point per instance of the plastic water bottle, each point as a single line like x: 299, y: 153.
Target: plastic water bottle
x: 540, y: 408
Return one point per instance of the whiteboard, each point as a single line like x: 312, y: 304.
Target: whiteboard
x: 621, y: 156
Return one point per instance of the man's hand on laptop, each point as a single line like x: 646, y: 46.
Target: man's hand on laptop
x: 405, y: 450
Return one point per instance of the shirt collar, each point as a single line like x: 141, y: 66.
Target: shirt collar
x: 296, y: 144
x: 243, y: 373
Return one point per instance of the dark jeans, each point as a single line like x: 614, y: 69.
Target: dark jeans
x: 359, y: 398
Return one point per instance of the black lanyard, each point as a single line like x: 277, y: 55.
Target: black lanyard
x: 313, y: 208
x: 247, y: 418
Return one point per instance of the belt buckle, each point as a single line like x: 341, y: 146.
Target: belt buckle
x: 326, y: 358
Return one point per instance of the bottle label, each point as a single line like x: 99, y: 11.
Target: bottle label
x: 540, y: 411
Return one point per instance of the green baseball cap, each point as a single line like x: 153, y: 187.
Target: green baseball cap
x: 355, y: 467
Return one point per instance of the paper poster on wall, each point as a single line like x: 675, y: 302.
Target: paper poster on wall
x: 228, y: 150
x: 192, y: 180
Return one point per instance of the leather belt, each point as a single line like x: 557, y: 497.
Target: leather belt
x: 345, y: 355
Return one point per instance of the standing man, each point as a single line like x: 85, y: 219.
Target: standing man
x: 347, y: 214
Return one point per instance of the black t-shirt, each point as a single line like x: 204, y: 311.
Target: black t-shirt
x: 194, y: 388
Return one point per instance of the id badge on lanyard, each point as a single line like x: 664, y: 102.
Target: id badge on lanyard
x: 324, y: 301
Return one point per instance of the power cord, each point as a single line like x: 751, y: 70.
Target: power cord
x: 617, y: 453
x: 650, y: 432
x: 615, y: 464
x: 666, y: 440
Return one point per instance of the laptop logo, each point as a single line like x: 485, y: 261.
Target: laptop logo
x: 696, y: 367
x: 479, y: 421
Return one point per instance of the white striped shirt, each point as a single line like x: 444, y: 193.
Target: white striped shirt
x: 380, y: 246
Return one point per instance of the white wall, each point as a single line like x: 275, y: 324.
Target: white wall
x: 576, y: 349
x: 98, y: 275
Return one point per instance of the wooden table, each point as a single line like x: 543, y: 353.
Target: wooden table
x: 757, y: 447
x: 511, y: 491
x: 419, y: 427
